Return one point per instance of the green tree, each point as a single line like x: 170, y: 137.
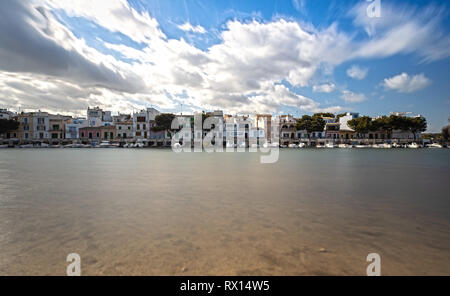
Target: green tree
x: 8, y: 125
x: 163, y: 122
x: 399, y: 122
x: 310, y: 124
x: 417, y: 124
x: 385, y: 124
x: 446, y: 132
x: 363, y: 125
x: 327, y: 114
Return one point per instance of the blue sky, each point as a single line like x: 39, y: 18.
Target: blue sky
x: 296, y: 57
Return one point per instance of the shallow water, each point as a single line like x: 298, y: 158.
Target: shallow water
x: 155, y: 212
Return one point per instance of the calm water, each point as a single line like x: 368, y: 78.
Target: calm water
x: 154, y: 212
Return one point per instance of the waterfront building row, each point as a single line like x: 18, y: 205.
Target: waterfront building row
x: 100, y: 125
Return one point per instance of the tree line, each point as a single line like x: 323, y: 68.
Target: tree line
x: 365, y: 124
x: 388, y: 124
x: 8, y: 125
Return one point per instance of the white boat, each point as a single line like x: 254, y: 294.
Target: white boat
x: 139, y: 145
x: 413, y: 146
x: 230, y: 145
x: 301, y: 145
x: 434, y: 145
x: 293, y: 146
x: 386, y: 146
x: 126, y: 145
x: 361, y: 146
x: 27, y: 146
x: 105, y: 144
x: 243, y: 145
x: 320, y: 146
x: 345, y: 146
x: 330, y: 145
x: 274, y: 145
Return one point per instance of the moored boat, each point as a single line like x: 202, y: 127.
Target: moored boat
x: 413, y: 146
x: 434, y: 145
x: 105, y: 144
x: 27, y: 146
x: 344, y: 146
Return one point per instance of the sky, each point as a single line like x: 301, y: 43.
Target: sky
x: 241, y: 56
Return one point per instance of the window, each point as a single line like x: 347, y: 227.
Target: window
x: 26, y: 135
x: 54, y: 136
x: 105, y: 135
x: 138, y: 127
x: 41, y: 120
x: 140, y: 119
x: 55, y: 127
x: 90, y: 136
x: 98, y: 135
x: 82, y: 135
x: 111, y: 135
x: 124, y: 135
x: 120, y: 127
x: 41, y: 135
x: 25, y: 120
x: 138, y: 134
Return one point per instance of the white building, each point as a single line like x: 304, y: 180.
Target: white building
x: 98, y: 117
x: 124, y: 130
x: 5, y: 114
x: 41, y: 125
x: 122, y: 118
x: 263, y: 124
x: 141, y: 122
x: 343, y: 121
x: 72, y: 129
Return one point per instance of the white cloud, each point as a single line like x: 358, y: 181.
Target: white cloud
x: 324, y: 88
x: 242, y: 72
x: 402, y: 30
x: 351, y: 97
x: 114, y: 15
x: 187, y: 27
x: 357, y: 72
x: 404, y: 83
